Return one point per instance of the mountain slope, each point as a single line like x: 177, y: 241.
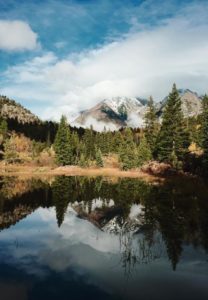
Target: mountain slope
x: 10, y: 109
x: 191, y: 103
x: 116, y: 112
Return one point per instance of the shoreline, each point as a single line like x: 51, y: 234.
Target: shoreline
x: 18, y: 170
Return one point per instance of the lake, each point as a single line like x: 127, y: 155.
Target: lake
x: 103, y: 238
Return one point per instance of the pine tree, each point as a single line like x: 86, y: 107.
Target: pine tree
x: 3, y: 127
x: 204, y: 133
x: 48, y: 139
x: 89, y: 142
x: 173, y: 136
x: 75, y: 147
x: 117, y: 141
x: 62, y: 144
x: 3, y: 134
x: 82, y: 161
x: 109, y: 139
x: 61, y: 195
x: 144, y: 152
x: 99, y: 159
x: 105, y: 141
x: 151, y: 125
x: 99, y: 141
x: 127, y: 151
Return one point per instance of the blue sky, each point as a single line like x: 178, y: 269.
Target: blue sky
x: 65, y: 56
x: 66, y: 26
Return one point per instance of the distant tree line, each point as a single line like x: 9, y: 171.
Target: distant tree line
x: 39, y: 131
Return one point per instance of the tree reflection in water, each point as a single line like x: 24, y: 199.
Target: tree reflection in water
x: 174, y: 213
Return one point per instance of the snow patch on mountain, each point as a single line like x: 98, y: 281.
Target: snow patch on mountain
x: 137, y: 210
x: 131, y: 224
x: 115, y: 103
x: 96, y: 204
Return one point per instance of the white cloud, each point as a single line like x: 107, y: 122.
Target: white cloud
x: 16, y: 36
x: 134, y: 120
x: 140, y: 64
x: 97, y: 125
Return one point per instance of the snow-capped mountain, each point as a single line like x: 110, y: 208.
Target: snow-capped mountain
x: 117, y: 112
x: 109, y: 218
x: 119, y: 103
x: 114, y: 113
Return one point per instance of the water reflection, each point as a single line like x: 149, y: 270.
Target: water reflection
x: 92, y: 233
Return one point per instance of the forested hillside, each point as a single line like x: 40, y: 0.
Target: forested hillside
x: 21, y: 120
x: 176, y: 139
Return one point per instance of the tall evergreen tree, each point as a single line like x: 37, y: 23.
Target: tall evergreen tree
x: 61, y: 195
x: 82, y: 161
x: 117, y: 141
x: 109, y: 139
x: 127, y: 151
x: 144, y: 152
x: 3, y: 134
x: 151, y: 125
x: 173, y: 137
x: 99, y: 159
x: 62, y: 143
x: 3, y: 127
x: 105, y: 141
x: 99, y: 141
x: 75, y: 147
x: 204, y: 133
x: 89, y: 141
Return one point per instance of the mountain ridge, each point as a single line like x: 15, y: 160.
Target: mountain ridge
x: 112, y: 113
x: 119, y: 112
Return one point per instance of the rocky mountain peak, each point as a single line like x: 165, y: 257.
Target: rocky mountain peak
x: 10, y: 109
x: 191, y: 103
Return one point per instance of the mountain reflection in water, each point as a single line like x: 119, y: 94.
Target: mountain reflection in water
x: 98, y: 238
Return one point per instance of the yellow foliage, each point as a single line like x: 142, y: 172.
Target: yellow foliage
x: 20, y: 143
x: 111, y: 161
x: 46, y: 157
x: 193, y: 148
x: 19, y: 148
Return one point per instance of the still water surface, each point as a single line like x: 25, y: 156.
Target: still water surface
x: 82, y: 238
